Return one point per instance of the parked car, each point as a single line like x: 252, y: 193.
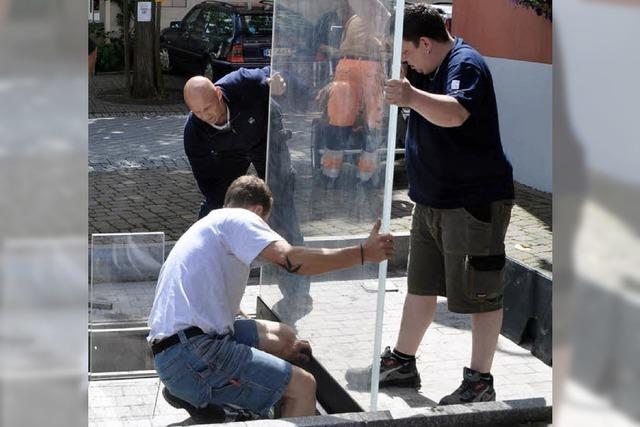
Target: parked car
x: 215, y: 38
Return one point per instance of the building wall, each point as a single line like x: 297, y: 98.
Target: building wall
x: 524, y: 94
x: 517, y: 46
x: 500, y: 29
x: 168, y: 14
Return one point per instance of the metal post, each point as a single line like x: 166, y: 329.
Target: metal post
x: 386, y: 207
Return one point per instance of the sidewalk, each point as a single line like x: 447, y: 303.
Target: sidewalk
x: 107, y: 97
x: 341, y: 334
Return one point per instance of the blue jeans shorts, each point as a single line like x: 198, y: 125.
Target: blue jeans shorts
x: 224, y: 370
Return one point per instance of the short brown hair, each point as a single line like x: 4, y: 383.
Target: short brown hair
x: 247, y: 191
x: 423, y: 20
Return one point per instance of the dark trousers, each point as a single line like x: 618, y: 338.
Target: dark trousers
x: 229, y: 166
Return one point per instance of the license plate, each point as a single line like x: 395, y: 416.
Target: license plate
x: 267, y: 53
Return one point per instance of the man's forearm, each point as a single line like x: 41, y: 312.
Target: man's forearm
x: 306, y: 261
x: 441, y: 110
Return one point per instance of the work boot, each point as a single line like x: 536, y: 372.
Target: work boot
x: 209, y: 415
x: 393, y: 372
x: 474, y: 388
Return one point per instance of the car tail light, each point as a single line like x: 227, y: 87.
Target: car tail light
x: 236, y: 54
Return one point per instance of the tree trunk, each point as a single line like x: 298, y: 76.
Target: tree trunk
x: 143, y: 61
x: 125, y: 34
x: 156, y: 39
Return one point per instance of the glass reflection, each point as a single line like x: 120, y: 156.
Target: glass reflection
x: 326, y: 169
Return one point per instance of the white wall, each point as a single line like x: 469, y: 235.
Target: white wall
x: 524, y: 94
x: 175, y: 13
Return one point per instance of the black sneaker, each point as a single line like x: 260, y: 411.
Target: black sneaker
x: 209, y: 415
x: 472, y: 389
x: 393, y: 373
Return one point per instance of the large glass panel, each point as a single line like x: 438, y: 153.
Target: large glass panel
x: 327, y: 159
x: 124, y: 271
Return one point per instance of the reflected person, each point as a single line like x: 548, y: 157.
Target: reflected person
x: 296, y: 300
x: 357, y: 85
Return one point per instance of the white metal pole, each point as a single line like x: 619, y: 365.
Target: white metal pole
x: 386, y: 207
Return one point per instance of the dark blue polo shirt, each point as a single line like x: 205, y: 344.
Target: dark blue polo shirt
x: 246, y: 92
x: 465, y: 165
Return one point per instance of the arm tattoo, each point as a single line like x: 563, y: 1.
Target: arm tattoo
x: 290, y: 267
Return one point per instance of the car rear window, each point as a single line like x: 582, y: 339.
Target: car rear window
x: 257, y: 24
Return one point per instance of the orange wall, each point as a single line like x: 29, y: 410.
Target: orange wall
x: 500, y: 29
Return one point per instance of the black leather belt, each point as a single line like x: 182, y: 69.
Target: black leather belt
x: 160, y: 346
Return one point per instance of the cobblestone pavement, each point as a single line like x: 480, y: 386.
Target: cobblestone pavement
x: 140, y: 180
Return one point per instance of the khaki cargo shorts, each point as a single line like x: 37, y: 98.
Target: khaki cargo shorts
x: 459, y: 254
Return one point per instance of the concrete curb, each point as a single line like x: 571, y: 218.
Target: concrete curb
x: 474, y: 414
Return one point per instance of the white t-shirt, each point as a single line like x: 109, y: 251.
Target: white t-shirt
x: 204, y: 277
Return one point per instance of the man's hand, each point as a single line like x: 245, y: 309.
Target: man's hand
x: 398, y: 92
x: 301, y: 351
x: 323, y: 95
x: 378, y: 247
x: 277, y: 84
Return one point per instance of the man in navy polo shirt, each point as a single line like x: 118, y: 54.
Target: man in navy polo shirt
x: 462, y: 184
x: 227, y: 129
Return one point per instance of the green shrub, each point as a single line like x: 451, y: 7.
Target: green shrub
x: 110, y: 55
x: 96, y: 31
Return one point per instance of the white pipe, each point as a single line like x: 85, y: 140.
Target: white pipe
x: 386, y: 207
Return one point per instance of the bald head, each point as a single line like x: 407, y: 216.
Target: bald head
x: 205, y: 100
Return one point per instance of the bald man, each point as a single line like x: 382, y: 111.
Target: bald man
x: 226, y: 130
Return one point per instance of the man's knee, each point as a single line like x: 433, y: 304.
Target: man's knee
x: 275, y: 338
x: 302, y: 383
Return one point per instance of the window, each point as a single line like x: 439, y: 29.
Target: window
x: 258, y: 24
x: 191, y: 18
x: 217, y: 23
x: 174, y: 3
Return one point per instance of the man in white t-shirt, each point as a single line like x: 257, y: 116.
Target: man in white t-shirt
x: 203, y: 355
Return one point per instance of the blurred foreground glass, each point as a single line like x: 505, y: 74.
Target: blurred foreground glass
x: 596, y: 214
x: 43, y: 231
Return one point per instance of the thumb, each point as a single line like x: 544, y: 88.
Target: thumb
x: 376, y: 228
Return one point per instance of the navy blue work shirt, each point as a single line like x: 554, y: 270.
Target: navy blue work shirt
x: 246, y: 93
x: 465, y: 165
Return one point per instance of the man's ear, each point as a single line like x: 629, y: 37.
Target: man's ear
x: 218, y: 92
x: 257, y: 209
x: 426, y: 42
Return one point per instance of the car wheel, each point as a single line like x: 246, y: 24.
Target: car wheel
x: 165, y: 60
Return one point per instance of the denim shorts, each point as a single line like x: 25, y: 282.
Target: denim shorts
x: 224, y: 370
